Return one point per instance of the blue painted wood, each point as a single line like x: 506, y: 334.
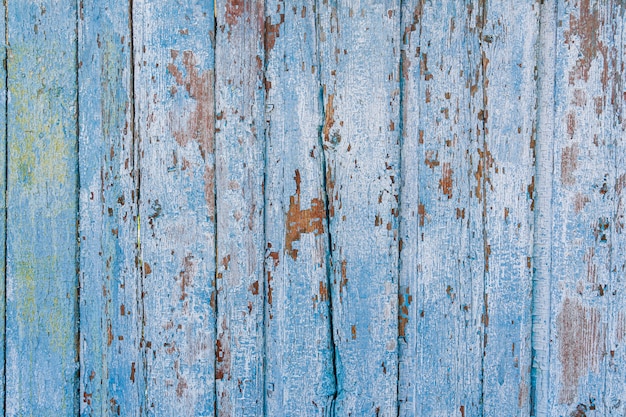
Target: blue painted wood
x: 240, y: 170
x: 508, y: 60
x: 111, y: 372
x: 359, y: 49
x: 174, y: 101
x: 442, y: 258
x: 583, y: 297
x: 41, y: 275
x: 300, y: 378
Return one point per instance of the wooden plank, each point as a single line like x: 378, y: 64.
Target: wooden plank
x: 614, y: 112
x: 300, y: 378
x: 42, y: 196
x: 442, y: 258
x: 359, y: 55
x: 240, y: 150
x: 508, y: 56
x: 111, y: 375
x: 174, y: 83
x: 588, y: 92
x: 542, y: 236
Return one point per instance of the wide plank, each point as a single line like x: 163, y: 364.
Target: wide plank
x: 42, y: 208
x: 300, y: 377
x: 240, y: 170
x: 359, y: 50
x: 174, y: 101
x: 441, y: 299
x: 111, y: 372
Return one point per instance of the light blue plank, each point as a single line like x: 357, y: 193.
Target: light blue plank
x: 300, y: 379
x: 111, y: 375
x: 174, y: 62
x: 542, y: 237
x: 240, y: 150
x: 587, y: 92
x: 359, y: 46
x: 41, y: 351
x: 508, y: 56
x: 442, y: 258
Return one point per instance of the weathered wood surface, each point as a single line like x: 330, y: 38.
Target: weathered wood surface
x: 313, y: 208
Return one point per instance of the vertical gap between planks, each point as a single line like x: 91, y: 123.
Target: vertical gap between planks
x: 78, y: 211
x: 265, y: 210
x: 215, y: 213
x: 483, y: 203
x: 5, y: 191
x: 137, y: 185
x: 400, y: 188
x: 542, y: 254
x: 327, y: 199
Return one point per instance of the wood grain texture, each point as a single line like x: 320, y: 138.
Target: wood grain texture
x: 508, y: 40
x: 111, y: 373
x: 42, y: 210
x: 240, y: 150
x: 174, y: 100
x: 3, y: 209
x: 442, y: 261
x: 359, y: 62
x: 300, y: 377
x: 587, y: 96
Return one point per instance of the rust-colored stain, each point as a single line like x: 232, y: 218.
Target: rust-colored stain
x: 431, y: 159
x: 404, y: 301
x: 186, y: 275
x: 254, y: 288
x: 222, y: 352
x: 234, y: 10
x: 272, y: 31
x: 581, y: 345
x: 569, y: 163
x: 132, y: 372
x: 301, y: 221
x: 147, y: 270
x: 353, y: 331
x: 580, y: 201
x: 109, y: 333
x: 269, y: 289
x: 445, y: 183
x: 620, y: 183
x: 199, y: 126
x: 329, y: 118
x: 571, y: 124
x: 344, y: 276
x: 586, y: 28
x: 421, y: 211
x: 484, y: 164
x: 522, y: 394
x: 323, y: 291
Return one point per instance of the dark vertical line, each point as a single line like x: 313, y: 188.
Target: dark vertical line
x: 216, y: 261
x: 327, y: 198
x: 77, y: 281
x: 6, y: 188
x: 400, y: 187
x: 136, y: 170
x: 483, y: 179
x: 263, y: 131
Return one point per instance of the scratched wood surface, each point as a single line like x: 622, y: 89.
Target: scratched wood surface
x: 313, y: 208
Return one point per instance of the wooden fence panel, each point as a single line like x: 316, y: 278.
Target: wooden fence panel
x: 315, y: 207
x: 42, y: 210
x: 174, y: 98
x: 300, y: 374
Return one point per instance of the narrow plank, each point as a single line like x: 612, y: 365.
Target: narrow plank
x: 174, y: 67
x: 240, y: 150
x: 300, y: 379
x: 42, y: 210
x: 359, y: 60
x: 111, y: 373
x: 614, y: 111
x: 542, y: 236
x: 442, y: 258
x: 583, y: 204
x: 508, y: 56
